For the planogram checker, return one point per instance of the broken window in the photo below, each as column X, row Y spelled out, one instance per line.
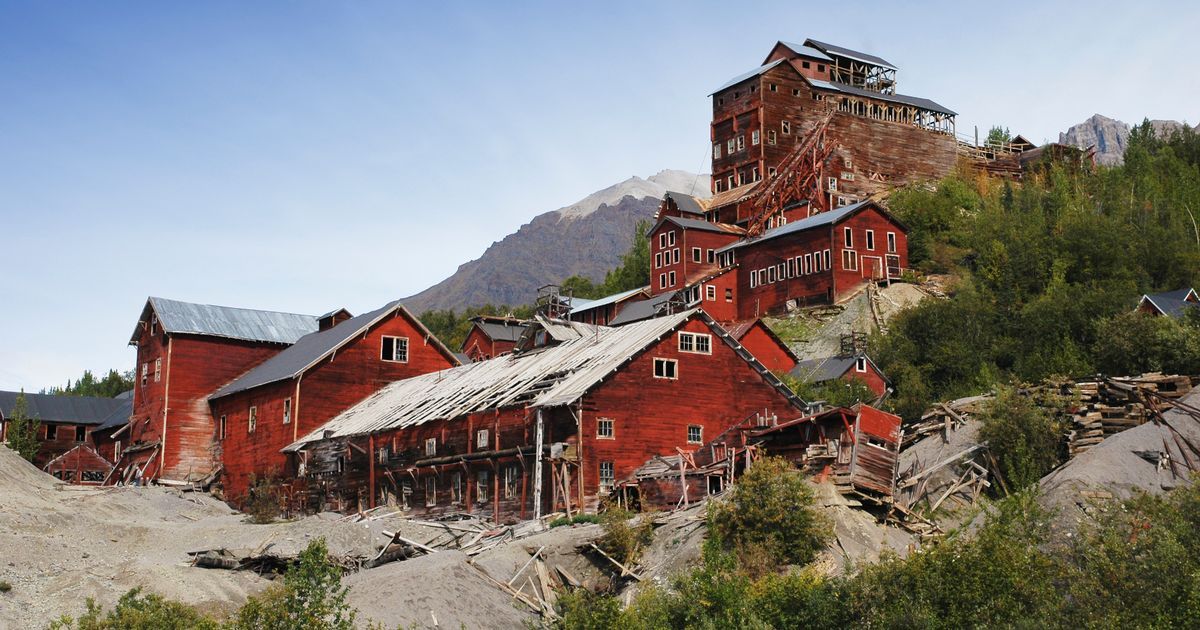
column 607, row 477
column 771, row 139
column 481, row 438
column 786, row 127
column 511, row 474
column 481, row 486
column 80, row 434
column 287, row 410
column 456, row 487
column 252, row 422
column 430, row 447
column 394, row 349
column 665, row 368
column 93, row 476
column 430, row 491
column 157, row 370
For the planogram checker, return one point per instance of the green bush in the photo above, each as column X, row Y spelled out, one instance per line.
column 263, row 499
column 624, row 539
column 135, row 611
column 23, row 429
column 310, row 597
column 1023, row 437
column 769, row 513
column 578, row 518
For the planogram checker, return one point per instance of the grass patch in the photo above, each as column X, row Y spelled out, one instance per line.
column 791, row 329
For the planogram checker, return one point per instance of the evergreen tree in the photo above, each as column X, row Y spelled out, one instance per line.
column 22, row 430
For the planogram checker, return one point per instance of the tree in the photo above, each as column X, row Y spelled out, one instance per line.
column 110, row 386
column 22, row 429
column 311, row 596
column 1022, row 435
column 998, row 135
column 634, row 270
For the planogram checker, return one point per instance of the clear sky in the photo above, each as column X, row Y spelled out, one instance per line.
column 301, row 156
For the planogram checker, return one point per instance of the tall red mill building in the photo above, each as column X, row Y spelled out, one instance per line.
column 310, row 382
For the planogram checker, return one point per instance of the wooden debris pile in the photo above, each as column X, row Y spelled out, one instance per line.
column 1103, row 407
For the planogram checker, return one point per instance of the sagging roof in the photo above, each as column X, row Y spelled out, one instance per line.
column 839, row 51
column 696, row 224
column 314, row 347
column 817, row 220
column 1173, row 303
column 687, row 203
column 609, row 299
column 828, row 368
column 226, row 321
column 501, row 328
column 645, row 309
column 552, row 376
column 915, row 101
column 85, row 410
column 733, row 195
column 748, row 75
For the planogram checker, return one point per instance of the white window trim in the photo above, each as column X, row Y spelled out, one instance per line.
column 710, row 293
column 665, row 361
column 697, row 254
column 482, row 491
column 252, row 419
column 287, row 410
column 870, row 240
column 671, row 277
column 700, row 431
column 847, row 237
column 693, row 338
column 430, row 447
column 481, row 438
column 222, row 430
column 860, row 365
column 430, row 491
column 891, row 242
column 158, row 369
column 385, row 340
column 612, row 429
column 607, row 481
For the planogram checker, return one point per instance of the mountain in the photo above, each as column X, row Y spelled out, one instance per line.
column 586, row 238
column 1109, row 136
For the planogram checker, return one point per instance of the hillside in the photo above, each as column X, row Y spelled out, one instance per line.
column 1109, row 136
column 585, row 238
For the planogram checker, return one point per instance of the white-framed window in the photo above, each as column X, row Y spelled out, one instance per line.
column 808, row 265
column 287, row 410
column 891, row 242
column 716, row 150
column 697, row 253
column 728, row 295
column 730, row 145
column 697, row 343
column 847, row 237
column 785, row 127
column 482, row 479
column 816, row 265
column 849, row 260
column 117, row 449
column 666, row 368
column 754, row 136
column 430, row 446
column 481, row 438
column 605, row 429
column 430, row 491
column 394, row 349
column 771, row 140
column 762, row 277
column 658, row 260
column 753, row 279
column 848, row 176
column 791, row 268
column 741, row 143
column 662, row 240
column 860, row 365
column 456, row 487
column 730, row 181
column 157, row 370
column 870, row 240
column 695, row 434
column 710, row 293
column 832, row 183
column 222, row 429
column 510, row 481
column 252, row 422
column 774, row 88
column 671, row 277
column 671, row 240
column 145, row 372
column 607, row 478
column 754, row 174
column 826, row 264
column 662, row 280
column 771, row 274
column 675, row 255
column 711, row 257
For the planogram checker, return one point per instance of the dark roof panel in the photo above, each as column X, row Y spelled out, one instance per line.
column 233, row 323
column 839, row 51
column 915, row 101
column 87, row 410
column 685, row 202
column 748, row 75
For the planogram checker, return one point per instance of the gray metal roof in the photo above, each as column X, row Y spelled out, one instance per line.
column 748, row 75
column 839, row 51
column 1172, row 303
column 915, row 101
column 696, row 224
column 685, row 202
column 87, row 410
column 609, row 299
column 227, row 321
column 816, row 220
column 120, row 415
column 502, row 331
column 314, row 347
column 828, row 368
column 807, row 51
column 644, row 309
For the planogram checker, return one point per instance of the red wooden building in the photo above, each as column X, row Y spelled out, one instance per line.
column 764, row 344
column 491, row 336
column 551, row 426
column 1170, row 303
column 185, row 352
column 602, row 311
column 82, row 465
column 848, row 367
column 65, row 421
column 305, row 385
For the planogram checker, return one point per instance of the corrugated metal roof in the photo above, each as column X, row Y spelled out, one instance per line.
column 314, row 347
column 562, row 373
column 88, row 410
column 687, row 203
column 808, row 51
column 816, row 220
column 119, row 416
column 839, row 51
column 604, row 301
column 822, row 370
column 733, row 195
column 915, row 101
column 644, row 309
column 229, row 322
column 748, row 75
column 509, row 330
column 1172, row 303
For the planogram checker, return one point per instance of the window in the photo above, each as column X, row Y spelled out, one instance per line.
column 607, row 478
column 665, row 368
column 662, row 240
column 891, row 242
column 825, row 264
column 481, row 486
column 604, row 428
column 711, row 257
column 870, row 240
column 671, row 242
column 671, row 276
column 80, row 434
column 117, row 449
column 662, row 280
column 481, row 438
column 456, row 488
column 157, row 370
column 658, row 260
column 94, row 476
column 510, row 482
column 754, row 135
column 774, row 88
column 153, row 323
column 807, row 65
column 849, row 260
column 762, row 277
column 753, row 279
column 754, row 174
column 848, row 176
column 222, row 429
column 287, row 410
column 741, row 143
column 145, row 372
column 696, row 254
column 795, row 92
column 791, row 268
column 710, row 293
column 808, row 264
column 697, row 343
column 771, row 138
column 395, row 349
column 771, row 274
column 832, row 183
column 716, row 150
column 695, row 434
column 430, row 491
column 252, row 423
column 730, row 179
column 860, row 364
column 847, row 237
column 430, row 447
column 728, row 295
column 820, row 67
column 730, row 145
column 674, row 253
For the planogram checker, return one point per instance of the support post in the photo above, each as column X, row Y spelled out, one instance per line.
column 537, row 467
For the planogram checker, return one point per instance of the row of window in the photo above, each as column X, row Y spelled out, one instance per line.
column 52, row 432
column 146, row 371
column 791, row 268
column 666, row 280
column 666, row 239
column 848, row 239
column 668, row 257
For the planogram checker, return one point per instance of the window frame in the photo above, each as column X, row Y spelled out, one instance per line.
column 252, row 419
column 710, row 293
column 430, row 491
column 456, row 488
column 699, row 434
column 395, row 343
column 860, row 365
column 697, row 254
column 849, row 260
column 287, row 410
column 691, row 342
column 222, row 427
column 891, row 242
column 481, row 438
column 606, row 472
column 158, row 370
column 482, row 482
column 870, row 240
column 610, row 434
column 511, row 475
column 663, row 361
column 79, row 428
column 847, row 237
column 671, row 277
column 430, row 447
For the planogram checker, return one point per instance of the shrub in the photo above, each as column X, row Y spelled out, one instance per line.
column 623, row 539
column 5, row 586
column 262, row 500
column 135, row 611
column 770, row 507
column 310, row 597
column 1024, row 438
column 578, row 518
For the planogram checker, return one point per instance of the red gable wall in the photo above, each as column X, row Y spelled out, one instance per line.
column 767, row 348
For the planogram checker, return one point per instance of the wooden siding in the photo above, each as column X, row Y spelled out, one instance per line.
column 767, row 349
column 80, row 465
column 687, row 270
column 723, row 307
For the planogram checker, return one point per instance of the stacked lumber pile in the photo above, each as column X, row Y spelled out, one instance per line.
column 1103, row 407
column 942, row 418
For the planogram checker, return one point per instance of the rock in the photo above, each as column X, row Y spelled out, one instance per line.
column 1109, row 136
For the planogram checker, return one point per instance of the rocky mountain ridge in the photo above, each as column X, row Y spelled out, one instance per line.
column 1109, row 135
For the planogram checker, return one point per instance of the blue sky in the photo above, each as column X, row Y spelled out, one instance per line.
column 301, row 156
